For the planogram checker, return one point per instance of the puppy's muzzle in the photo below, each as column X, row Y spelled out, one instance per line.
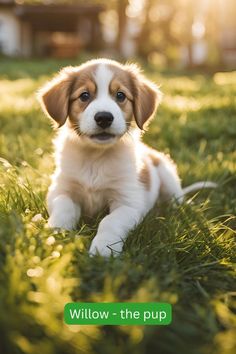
column 104, row 119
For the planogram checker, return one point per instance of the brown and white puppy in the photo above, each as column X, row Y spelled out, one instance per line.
column 101, row 107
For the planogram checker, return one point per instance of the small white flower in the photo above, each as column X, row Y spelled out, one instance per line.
column 50, row 240
column 37, row 218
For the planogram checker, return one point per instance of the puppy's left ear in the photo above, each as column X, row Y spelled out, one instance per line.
column 147, row 97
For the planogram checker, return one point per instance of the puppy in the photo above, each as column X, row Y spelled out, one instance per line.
column 101, row 108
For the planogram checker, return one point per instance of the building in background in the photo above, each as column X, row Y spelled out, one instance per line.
column 55, row 30
column 173, row 33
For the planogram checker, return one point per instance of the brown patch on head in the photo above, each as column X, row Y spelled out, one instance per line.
column 144, row 176
column 154, row 157
column 121, row 83
column 59, row 98
column 84, row 82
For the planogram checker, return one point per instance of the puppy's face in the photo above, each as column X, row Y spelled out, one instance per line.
column 101, row 99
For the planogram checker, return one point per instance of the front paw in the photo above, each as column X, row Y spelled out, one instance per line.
column 60, row 222
column 105, row 246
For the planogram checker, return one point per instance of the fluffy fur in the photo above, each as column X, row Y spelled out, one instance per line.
column 99, row 167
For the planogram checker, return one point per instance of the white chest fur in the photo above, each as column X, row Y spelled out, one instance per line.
column 93, row 178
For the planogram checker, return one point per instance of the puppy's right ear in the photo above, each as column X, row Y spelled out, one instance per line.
column 54, row 96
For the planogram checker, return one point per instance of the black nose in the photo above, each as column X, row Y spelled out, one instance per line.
column 103, row 119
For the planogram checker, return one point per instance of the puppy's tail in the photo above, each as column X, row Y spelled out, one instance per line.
column 199, row 185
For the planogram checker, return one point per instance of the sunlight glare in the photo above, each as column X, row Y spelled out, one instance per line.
column 135, row 8
column 198, row 29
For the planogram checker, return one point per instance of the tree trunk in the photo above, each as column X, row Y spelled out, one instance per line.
column 143, row 38
column 121, row 8
column 190, row 55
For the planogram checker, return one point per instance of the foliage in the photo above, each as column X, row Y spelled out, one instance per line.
column 167, row 29
column 183, row 255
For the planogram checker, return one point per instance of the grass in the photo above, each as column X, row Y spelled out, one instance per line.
column 182, row 255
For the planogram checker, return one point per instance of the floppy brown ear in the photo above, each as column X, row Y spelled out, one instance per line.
column 147, row 96
column 146, row 102
column 54, row 97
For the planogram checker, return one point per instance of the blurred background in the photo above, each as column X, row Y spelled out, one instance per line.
column 176, row 33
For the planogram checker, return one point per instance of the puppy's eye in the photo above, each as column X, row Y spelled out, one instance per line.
column 84, row 97
column 120, row 96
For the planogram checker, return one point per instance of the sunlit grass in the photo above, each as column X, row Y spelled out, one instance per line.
column 183, row 255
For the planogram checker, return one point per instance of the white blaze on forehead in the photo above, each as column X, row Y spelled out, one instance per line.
column 103, row 77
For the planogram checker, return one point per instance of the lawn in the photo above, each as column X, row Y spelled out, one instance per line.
column 182, row 255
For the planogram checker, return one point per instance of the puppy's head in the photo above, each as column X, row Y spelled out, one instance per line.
column 101, row 100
